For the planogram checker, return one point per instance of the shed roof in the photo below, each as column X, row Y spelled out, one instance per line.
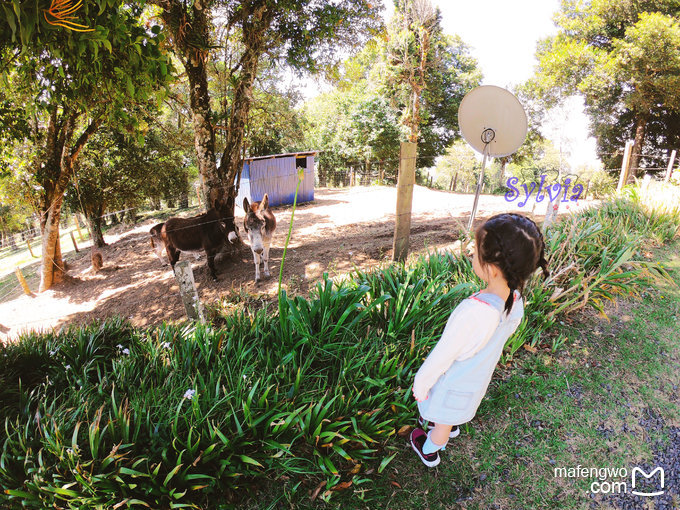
column 287, row 154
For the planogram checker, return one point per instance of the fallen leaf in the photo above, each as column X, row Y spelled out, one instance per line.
column 530, row 348
column 342, row 486
column 396, row 484
column 317, row 490
column 404, row 431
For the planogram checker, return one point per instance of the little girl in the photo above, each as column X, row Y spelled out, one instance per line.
column 455, row 376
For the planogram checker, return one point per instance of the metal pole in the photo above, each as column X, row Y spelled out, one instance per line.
column 479, row 187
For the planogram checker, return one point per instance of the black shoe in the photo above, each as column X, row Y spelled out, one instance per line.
column 418, row 438
column 454, row 431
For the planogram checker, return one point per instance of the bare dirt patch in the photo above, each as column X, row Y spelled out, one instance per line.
column 341, row 230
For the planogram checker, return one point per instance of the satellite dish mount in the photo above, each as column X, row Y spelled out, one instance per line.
column 493, row 122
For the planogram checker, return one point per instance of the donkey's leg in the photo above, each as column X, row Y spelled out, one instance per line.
column 256, row 257
column 265, row 256
column 211, row 263
column 173, row 255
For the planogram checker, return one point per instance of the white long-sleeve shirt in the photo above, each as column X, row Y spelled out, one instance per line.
column 467, row 331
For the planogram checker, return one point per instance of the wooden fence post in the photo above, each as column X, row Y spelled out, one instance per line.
column 74, row 241
column 76, row 218
column 187, row 289
column 669, row 171
column 22, row 281
column 625, row 164
column 405, row 182
column 30, row 250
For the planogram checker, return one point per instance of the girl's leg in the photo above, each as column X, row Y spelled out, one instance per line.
column 440, row 433
column 437, row 438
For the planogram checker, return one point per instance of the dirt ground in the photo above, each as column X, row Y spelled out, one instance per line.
column 340, row 230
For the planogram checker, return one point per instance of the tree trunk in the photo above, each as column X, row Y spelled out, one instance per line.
column 94, row 222
column 57, row 174
column 255, row 25
column 204, row 133
column 184, row 200
column 634, row 170
column 52, row 266
column 190, row 24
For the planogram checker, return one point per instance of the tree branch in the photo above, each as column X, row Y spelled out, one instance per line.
column 85, row 136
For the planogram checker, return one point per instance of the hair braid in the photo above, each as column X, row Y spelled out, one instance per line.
column 505, row 262
column 515, row 244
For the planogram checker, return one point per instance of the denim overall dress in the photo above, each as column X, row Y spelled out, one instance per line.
column 455, row 397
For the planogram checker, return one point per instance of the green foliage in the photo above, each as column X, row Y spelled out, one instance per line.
column 460, row 164
column 624, row 58
column 597, row 254
column 362, row 119
column 602, row 184
column 115, row 172
column 352, row 127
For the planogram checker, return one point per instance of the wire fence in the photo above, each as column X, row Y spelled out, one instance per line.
column 359, row 177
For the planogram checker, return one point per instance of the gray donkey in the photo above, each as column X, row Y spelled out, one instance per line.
column 259, row 223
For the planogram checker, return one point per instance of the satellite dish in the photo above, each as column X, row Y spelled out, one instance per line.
column 493, row 118
column 493, row 122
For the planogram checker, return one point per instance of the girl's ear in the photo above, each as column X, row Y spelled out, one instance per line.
column 493, row 271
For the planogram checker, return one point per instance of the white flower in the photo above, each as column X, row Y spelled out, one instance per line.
column 119, row 346
column 351, row 253
column 189, row 394
column 165, row 345
column 52, row 353
column 67, row 367
column 126, row 351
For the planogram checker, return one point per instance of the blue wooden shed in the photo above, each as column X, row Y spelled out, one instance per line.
column 276, row 175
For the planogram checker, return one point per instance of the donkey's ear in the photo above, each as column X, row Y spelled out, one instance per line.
column 265, row 202
column 246, row 205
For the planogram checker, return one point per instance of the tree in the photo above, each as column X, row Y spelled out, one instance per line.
column 457, row 167
column 115, row 172
column 305, row 34
column 624, row 58
column 361, row 120
column 426, row 74
column 353, row 127
column 409, row 57
column 67, row 80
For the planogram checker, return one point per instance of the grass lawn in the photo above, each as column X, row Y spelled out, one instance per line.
column 609, row 399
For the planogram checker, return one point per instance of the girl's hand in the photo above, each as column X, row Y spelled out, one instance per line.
column 419, row 399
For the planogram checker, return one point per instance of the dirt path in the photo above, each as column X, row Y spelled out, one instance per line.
column 340, row 230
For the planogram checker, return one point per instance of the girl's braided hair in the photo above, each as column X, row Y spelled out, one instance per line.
column 515, row 244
